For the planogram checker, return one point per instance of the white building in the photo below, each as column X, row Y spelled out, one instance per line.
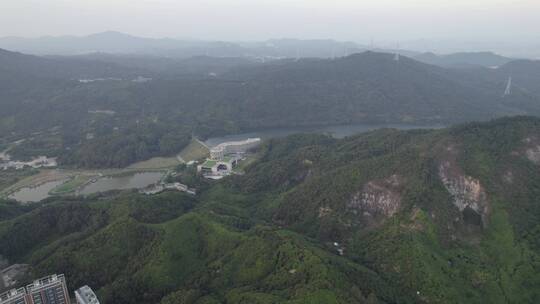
column 224, row 157
column 85, row 295
column 220, row 167
column 220, row 151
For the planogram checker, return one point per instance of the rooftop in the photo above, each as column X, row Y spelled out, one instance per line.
column 45, row 282
column 11, row 294
column 86, row 295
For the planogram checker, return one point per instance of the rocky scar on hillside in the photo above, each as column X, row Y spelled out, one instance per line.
column 468, row 195
column 532, row 149
column 378, row 199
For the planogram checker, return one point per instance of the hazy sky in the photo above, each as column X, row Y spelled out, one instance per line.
column 358, row 20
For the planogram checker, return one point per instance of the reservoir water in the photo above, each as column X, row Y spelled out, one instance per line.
column 35, row 194
column 337, row 131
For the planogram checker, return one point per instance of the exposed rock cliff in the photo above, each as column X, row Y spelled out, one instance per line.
column 466, row 191
column 530, row 149
column 378, row 198
column 533, row 154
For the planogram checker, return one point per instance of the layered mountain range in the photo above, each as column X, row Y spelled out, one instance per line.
column 209, row 96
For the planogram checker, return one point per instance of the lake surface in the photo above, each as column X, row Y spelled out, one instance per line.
column 123, row 182
column 339, row 131
column 35, row 194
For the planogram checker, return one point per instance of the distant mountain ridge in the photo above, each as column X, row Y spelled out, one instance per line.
column 120, row 43
column 60, row 67
column 114, row 42
column 110, row 41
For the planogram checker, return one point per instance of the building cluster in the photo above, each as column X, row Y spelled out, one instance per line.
column 224, row 157
column 141, row 79
column 48, row 290
column 138, row 79
column 99, row 79
column 39, row 162
column 156, row 189
column 220, row 151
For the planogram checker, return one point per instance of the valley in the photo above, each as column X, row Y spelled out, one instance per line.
column 118, row 123
column 66, row 181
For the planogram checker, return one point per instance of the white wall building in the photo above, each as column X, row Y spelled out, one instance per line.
column 85, row 295
column 220, row 151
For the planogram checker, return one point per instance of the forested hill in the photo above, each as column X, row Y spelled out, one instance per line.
column 452, row 214
column 370, row 87
column 424, row 216
column 524, row 72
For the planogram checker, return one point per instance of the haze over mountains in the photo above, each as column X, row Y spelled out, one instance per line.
column 115, row 42
column 120, row 43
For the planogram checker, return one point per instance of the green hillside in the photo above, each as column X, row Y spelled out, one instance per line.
column 430, row 216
